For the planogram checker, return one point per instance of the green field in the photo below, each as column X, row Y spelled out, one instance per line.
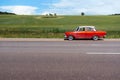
column 23, row 26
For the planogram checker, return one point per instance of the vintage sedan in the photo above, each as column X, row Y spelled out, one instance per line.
column 85, row 32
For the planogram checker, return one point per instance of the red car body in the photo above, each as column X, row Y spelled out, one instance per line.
column 85, row 32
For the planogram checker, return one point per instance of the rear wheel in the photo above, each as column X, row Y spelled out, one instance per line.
column 95, row 38
column 70, row 38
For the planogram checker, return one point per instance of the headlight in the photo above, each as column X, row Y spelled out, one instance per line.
column 65, row 35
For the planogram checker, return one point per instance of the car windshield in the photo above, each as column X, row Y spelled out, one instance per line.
column 76, row 29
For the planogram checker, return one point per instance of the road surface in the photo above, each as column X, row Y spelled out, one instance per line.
column 60, row 60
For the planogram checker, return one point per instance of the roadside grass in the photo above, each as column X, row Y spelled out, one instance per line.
column 22, row 26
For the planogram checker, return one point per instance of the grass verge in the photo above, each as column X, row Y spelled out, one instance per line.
column 22, row 26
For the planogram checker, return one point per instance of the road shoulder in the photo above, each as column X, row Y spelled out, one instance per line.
column 43, row 39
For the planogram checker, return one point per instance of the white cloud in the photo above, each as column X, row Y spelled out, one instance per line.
column 21, row 10
column 68, row 7
column 87, row 6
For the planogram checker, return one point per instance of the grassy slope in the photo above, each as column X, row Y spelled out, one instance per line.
column 36, row 26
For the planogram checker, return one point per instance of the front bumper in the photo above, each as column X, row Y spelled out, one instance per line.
column 65, row 37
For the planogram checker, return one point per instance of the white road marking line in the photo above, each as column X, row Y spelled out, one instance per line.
column 101, row 53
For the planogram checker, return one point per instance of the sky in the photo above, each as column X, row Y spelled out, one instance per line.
column 61, row 7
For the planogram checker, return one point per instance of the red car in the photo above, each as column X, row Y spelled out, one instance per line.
column 85, row 32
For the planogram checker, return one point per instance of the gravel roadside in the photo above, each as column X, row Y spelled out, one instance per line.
column 43, row 39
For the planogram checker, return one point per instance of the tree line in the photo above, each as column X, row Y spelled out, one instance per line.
column 116, row 14
column 6, row 13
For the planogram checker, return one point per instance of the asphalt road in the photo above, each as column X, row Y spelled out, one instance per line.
column 60, row 60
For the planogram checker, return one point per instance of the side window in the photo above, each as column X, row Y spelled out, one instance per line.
column 90, row 29
column 82, row 29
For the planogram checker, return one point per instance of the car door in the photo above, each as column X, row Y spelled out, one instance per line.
column 89, row 32
column 80, row 33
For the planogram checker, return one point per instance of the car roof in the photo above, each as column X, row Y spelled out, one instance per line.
column 87, row 26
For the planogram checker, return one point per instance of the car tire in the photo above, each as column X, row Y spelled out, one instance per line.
column 95, row 38
column 70, row 38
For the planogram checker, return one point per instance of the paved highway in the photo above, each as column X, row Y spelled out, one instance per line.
column 60, row 60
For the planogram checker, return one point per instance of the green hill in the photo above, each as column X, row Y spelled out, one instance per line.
column 54, row 27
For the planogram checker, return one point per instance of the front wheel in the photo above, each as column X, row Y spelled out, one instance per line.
column 70, row 38
column 95, row 38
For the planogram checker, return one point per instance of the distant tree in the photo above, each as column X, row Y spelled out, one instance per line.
column 55, row 15
column 50, row 14
column 82, row 13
